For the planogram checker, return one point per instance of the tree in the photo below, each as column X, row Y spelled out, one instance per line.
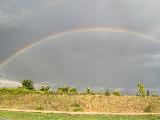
column 45, row 87
column 141, row 88
column 28, row 84
column 89, row 91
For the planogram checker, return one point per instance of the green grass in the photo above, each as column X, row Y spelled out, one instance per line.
column 43, row 116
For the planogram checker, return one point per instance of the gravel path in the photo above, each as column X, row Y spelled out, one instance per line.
column 74, row 113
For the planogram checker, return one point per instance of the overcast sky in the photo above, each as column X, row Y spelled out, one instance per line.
column 98, row 59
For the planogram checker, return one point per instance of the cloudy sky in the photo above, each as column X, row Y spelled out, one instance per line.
column 97, row 59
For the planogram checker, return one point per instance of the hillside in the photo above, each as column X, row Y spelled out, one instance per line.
column 91, row 103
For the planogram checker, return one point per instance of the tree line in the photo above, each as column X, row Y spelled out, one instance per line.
column 29, row 84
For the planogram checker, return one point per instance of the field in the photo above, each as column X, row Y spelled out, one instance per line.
column 43, row 116
column 27, row 100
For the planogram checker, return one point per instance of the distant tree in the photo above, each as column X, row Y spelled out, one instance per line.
column 63, row 90
column 89, row 91
column 73, row 90
column 142, row 91
column 45, row 87
column 28, row 84
column 116, row 93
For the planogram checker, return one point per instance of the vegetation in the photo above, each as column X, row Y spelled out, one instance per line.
column 63, row 90
column 73, row 90
column 142, row 91
column 107, row 93
column 69, row 99
column 67, row 90
column 116, row 93
column 45, row 87
column 17, row 91
column 89, row 91
column 35, row 100
column 28, row 84
column 43, row 116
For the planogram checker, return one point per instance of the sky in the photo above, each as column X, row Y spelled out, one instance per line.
column 87, row 58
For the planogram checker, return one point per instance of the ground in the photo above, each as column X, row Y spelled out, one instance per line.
column 5, row 115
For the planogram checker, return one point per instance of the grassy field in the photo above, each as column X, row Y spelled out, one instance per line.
column 43, row 116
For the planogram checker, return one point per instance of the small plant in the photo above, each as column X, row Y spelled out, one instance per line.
column 142, row 91
column 116, row 93
column 77, row 109
column 28, row 84
column 148, row 109
column 107, row 93
column 39, row 107
column 73, row 91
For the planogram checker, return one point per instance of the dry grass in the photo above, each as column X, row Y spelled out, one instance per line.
column 94, row 103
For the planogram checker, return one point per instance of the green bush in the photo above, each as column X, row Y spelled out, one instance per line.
column 16, row 91
column 63, row 90
column 73, row 91
column 39, row 107
column 116, row 93
column 28, row 84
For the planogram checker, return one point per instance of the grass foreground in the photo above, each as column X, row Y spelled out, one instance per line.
column 5, row 115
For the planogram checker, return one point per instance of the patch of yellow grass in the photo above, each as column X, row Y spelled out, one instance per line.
column 90, row 103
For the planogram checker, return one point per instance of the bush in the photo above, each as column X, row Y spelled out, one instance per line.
column 148, row 109
column 16, row 91
column 28, row 84
column 116, row 93
column 39, row 107
column 73, row 91
column 107, row 93
column 63, row 90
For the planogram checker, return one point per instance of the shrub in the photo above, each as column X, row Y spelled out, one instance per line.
column 63, row 90
column 28, row 84
column 16, row 91
column 39, row 107
column 73, row 91
column 148, row 109
column 107, row 93
column 116, row 93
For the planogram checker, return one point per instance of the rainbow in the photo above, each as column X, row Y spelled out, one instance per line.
column 75, row 31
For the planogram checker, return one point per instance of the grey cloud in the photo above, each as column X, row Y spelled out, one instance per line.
column 91, row 58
